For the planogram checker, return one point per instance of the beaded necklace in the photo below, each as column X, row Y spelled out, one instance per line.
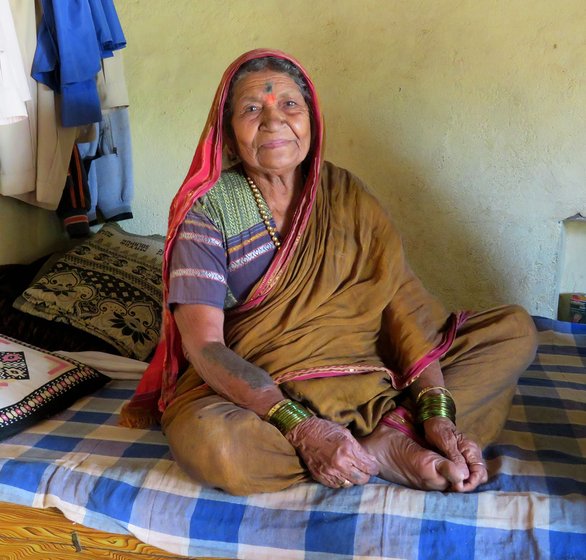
column 263, row 213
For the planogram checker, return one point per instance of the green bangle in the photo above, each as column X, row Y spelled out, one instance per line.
column 287, row 414
column 431, row 406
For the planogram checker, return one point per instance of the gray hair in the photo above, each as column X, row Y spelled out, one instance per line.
column 258, row 65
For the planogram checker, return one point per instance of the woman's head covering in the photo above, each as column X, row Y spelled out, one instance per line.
column 206, row 164
column 204, row 172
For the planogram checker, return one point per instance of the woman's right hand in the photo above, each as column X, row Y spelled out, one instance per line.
column 331, row 453
column 463, row 452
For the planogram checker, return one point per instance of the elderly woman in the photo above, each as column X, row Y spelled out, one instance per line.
column 298, row 344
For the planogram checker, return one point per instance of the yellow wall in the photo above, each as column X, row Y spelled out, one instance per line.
column 465, row 117
column 27, row 233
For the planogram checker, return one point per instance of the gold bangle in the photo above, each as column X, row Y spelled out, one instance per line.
column 426, row 389
column 274, row 409
column 436, row 405
column 287, row 414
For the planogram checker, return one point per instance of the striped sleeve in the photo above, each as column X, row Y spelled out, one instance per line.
column 198, row 271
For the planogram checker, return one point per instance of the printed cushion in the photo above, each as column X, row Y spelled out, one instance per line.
column 49, row 335
column 108, row 286
column 35, row 384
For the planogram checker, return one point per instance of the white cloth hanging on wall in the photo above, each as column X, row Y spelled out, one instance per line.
column 14, row 88
column 18, row 140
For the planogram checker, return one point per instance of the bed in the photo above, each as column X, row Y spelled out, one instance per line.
column 79, row 482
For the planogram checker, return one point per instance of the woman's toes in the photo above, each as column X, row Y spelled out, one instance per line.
column 405, row 462
column 454, row 474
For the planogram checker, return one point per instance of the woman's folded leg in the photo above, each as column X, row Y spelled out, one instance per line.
column 221, row 445
column 491, row 351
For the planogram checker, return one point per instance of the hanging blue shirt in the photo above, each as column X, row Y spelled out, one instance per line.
column 108, row 28
column 73, row 38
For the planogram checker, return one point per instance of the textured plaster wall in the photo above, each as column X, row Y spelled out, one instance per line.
column 465, row 117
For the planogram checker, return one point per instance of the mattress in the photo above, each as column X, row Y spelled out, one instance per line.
column 121, row 480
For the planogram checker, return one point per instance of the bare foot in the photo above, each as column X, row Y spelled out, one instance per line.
column 405, row 462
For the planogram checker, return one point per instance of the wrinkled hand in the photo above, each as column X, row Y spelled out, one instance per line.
column 442, row 434
column 331, row 453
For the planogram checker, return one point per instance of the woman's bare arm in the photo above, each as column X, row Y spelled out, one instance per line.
column 431, row 376
column 243, row 383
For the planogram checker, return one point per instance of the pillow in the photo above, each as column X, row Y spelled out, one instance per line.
column 49, row 335
column 35, row 384
column 108, row 286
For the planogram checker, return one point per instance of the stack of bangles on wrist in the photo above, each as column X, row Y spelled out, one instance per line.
column 287, row 414
column 429, row 406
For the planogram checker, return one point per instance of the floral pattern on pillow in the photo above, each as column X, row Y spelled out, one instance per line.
column 109, row 286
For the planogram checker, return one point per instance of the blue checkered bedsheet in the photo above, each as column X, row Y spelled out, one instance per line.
column 122, row 480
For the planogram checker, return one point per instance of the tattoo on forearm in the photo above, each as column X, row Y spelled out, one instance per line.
column 219, row 355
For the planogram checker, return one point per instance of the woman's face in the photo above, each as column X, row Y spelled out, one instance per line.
column 270, row 123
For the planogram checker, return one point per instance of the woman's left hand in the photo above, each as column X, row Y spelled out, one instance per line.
column 441, row 433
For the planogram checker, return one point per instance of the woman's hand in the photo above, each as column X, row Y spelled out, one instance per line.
column 442, row 434
column 331, row 453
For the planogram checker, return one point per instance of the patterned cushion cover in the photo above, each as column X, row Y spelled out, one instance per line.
column 108, row 286
column 46, row 334
column 35, row 384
